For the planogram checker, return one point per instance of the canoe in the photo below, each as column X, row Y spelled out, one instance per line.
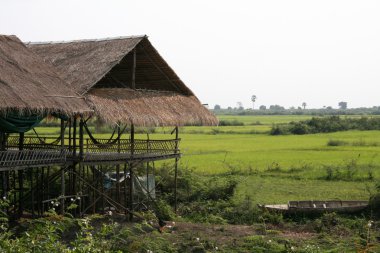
column 318, row 206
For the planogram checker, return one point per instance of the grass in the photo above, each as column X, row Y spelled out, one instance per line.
column 216, row 153
column 269, row 170
column 279, row 190
column 278, row 168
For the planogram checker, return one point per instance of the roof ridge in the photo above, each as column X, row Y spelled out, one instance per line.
column 85, row 40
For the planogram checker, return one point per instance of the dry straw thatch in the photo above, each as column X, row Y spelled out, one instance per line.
column 102, row 71
column 149, row 108
column 29, row 85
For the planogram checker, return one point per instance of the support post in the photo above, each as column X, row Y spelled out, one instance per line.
column 32, row 191
column 21, row 178
column 69, row 122
column 176, row 170
column 73, row 181
column 2, row 141
column 131, row 172
column 134, row 70
column 81, row 156
column 118, row 168
column 125, row 187
column 63, row 169
column 74, row 137
column 81, row 142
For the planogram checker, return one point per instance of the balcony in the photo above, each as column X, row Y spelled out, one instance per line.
column 41, row 151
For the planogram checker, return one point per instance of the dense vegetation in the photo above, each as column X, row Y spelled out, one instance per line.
column 202, row 199
column 326, row 125
column 279, row 110
column 225, row 172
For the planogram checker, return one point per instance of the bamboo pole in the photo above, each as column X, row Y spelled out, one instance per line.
column 176, row 170
column 62, row 169
column 131, row 172
column 118, row 168
column 81, row 157
column 21, row 178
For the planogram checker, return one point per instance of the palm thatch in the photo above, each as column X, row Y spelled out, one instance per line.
column 29, row 85
column 149, row 108
column 94, row 67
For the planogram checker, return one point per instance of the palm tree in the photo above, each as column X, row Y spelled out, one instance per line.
column 304, row 105
column 253, row 99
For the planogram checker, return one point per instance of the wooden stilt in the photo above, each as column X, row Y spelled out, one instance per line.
column 62, row 169
column 176, row 170
column 93, row 190
column 125, row 187
column 32, row 191
column 2, row 141
column 118, row 168
column 102, row 187
column 43, row 183
column 81, row 157
column 131, row 172
column 21, row 179
column 73, row 183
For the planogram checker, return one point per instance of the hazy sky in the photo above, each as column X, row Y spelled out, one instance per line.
column 285, row 52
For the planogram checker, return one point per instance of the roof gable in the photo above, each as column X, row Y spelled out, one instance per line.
column 105, row 63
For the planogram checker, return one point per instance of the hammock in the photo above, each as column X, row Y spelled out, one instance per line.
column 55, row 142
column 108, row 142
column 15, row 123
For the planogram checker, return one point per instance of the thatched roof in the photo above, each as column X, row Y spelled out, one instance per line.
column 149, row 108
column 29, row 85
column 95, row 67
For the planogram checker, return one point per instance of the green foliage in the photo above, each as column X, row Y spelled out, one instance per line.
column 230, row 123
column 335, row 143
column 327, row 125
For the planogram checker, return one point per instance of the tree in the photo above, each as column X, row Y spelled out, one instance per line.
column 343, row 105
column 276, row 108
column 304, row 105
column 217, row 107
column 240, row 106
column 262, row 107
column 253, row 99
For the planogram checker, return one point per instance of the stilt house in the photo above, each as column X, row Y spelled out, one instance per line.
column 127, row 84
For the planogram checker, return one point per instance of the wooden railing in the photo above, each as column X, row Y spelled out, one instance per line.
column 102, row 149
column 30, row 158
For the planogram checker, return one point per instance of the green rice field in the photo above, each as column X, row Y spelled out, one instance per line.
column 276, row 169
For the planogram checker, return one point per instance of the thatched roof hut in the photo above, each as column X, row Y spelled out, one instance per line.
column 29, row 85
column 125, row 80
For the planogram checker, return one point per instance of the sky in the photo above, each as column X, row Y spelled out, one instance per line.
column 285, row 52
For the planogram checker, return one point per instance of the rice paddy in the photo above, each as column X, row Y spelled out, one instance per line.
column 279, row 168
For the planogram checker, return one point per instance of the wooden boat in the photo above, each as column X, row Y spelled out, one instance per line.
column 318, row 206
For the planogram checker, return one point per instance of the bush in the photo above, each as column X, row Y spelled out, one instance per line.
column 230, row 123
column 335, row 143
column 327, row 125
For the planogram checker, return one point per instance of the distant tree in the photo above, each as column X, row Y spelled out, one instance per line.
column 342, row 105
column 240, row 106
column 299, row 108
column 329, row 107
column 276, row 107
column 253, row 99
column 292, row 108
column 304, row 105
column 262, row 107
column 229, row 108
column 217, row 107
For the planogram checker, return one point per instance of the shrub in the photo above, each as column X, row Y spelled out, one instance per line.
column 327, row 125
column 335, row 143
column 230, row 123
